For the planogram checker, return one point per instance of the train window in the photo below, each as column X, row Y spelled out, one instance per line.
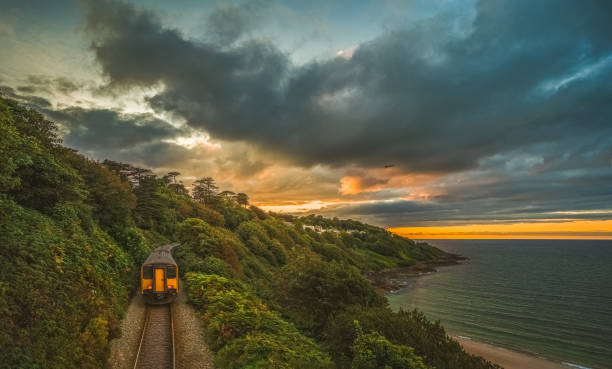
column 147, row 272
column 171, row 272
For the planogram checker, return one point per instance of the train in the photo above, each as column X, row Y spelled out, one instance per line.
column 159, row 282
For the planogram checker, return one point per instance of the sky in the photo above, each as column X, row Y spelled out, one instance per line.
column 433, row 118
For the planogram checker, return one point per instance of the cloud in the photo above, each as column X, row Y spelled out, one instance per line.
column 354, row 185
column 422, row 97
column 492, row 194
column 52, row 86
column 56, row 84
column 106, row 129
column 28, row 100
column 240, row 164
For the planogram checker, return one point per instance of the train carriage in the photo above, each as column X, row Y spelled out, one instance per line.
column 159, row 276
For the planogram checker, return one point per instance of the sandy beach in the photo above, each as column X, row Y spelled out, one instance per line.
column 507, row 358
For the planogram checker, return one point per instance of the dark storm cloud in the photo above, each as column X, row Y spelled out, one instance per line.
column 106, row 129
column 240, row 164
column 153, row 155
column 422, row 97
column 139, row 139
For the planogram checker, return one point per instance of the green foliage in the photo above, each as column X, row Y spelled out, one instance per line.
column 254, row 235
column 211, row 216
column 64, row 286
column 30, row 123
column 64, row 282
column 13, row 148
column 110, row 198
column 428, row 339
column 211, row 265
column 242, row 199
column 30, row 172
column 233, row 214
column 374, row 351
column 201, row 240
column 133, row 242
column 332, row 286
column 204, row 190
column 244, row 332
column 321, row 290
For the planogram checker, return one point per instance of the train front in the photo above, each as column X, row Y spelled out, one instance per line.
column 159, row 277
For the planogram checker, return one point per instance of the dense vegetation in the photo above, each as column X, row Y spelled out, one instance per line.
column 276, row 291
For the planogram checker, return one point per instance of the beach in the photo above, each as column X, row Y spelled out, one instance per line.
column 507, row 358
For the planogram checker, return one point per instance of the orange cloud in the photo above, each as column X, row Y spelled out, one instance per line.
column 355, row 185
column 379, row 179
column 579, row 229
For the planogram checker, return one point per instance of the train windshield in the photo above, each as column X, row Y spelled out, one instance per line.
column 147, row 272
column 171, row 272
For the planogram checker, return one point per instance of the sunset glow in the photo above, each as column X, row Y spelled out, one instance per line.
column 580, row 229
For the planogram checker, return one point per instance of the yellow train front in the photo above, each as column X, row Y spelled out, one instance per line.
column 159, row 276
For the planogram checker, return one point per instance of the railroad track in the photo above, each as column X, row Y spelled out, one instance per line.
column 156, row 348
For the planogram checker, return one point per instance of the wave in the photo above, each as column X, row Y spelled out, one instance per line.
column 575, row 365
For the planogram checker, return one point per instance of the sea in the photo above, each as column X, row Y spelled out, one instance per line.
column 550, row 298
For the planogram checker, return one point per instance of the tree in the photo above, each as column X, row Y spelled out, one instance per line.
column 32, row 124
column 178, row 188
column 242, row 199
column 138, row 174
column 204, row 189
column 173, row 175
column 226, row 194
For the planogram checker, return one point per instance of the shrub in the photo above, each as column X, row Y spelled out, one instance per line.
column 245, row 332
column 314, row 290
column 373, row 351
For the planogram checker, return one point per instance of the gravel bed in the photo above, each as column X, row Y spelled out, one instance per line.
column 191, row 349
column 123, row 349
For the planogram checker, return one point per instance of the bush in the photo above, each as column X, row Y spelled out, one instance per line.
column 244, row 332
column 212, row 265
column 63, row 289
column 412, row 329
column 373, row 351
column 313, row 290
column 267, row 351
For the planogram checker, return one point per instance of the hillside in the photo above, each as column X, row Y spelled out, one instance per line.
column 276, row 291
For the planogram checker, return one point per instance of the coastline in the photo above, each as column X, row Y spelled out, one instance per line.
column 393, row 279
column 509, row 359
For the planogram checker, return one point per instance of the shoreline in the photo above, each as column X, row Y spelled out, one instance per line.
column 393, row 279
column 389, row 281
column 510, row 359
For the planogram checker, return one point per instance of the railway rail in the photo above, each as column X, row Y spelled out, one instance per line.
column 156, row 347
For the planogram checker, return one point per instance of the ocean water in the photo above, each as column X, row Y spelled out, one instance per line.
column 551, row 298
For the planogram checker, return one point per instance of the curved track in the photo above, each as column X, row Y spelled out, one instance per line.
column 156, row 348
